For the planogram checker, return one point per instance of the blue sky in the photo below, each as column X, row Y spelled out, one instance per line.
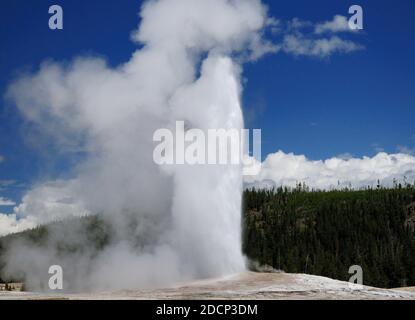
column 357, row 103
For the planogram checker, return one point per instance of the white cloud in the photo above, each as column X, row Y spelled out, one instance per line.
column 338, row 24
column 1, row 158
column 51, row 201
column 6, row 202
column 289, row 169
column 9, row 223
column 304, row 38
column 299, row 45
column 44, row 203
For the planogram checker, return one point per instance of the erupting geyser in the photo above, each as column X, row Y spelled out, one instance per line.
column 168, row 223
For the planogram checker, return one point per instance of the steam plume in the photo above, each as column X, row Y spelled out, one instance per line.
column 167, row 224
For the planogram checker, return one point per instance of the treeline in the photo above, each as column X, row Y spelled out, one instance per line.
column 295, row 230
column 326, row 232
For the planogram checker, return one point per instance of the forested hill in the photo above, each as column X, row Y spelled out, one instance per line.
column 86, row 235
column 302, row 231
column 326, row 232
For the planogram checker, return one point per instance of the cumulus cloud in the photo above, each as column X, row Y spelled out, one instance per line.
column 51, row 201
column 42, row 204
column 9, row 223
column 288, row 169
